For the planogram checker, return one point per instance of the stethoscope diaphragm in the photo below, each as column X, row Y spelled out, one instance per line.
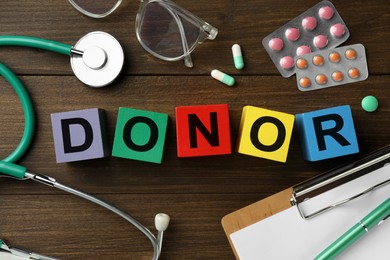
column 97, row 59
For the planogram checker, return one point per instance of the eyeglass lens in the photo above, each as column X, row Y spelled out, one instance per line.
column 97, row 7
column 166, row 32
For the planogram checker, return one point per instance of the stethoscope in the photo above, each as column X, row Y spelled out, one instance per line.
column 96, row 59
column 95, row 53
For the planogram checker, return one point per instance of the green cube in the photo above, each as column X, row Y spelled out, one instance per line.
column 140, row 135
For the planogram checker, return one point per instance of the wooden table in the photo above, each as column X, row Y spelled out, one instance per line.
column 195, row 192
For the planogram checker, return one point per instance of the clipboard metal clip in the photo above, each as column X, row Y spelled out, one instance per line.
column 339, row 176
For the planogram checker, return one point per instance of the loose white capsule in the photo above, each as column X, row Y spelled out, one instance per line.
column 237, row 57
column 223, row 77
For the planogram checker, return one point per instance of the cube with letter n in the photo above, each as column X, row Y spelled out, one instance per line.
column 79, row 135
column 140, row 135
column 327, row 133
column 203, row 130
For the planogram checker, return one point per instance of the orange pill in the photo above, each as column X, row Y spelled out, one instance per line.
column 353, row 73
column 350, row 54
column 334, row 57
column 304, row 82
column 321, row 79
column 337, row 76
column 318, row 60
column 301, row 64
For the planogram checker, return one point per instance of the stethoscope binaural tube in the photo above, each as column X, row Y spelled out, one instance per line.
column 9, row 168
column 33, row 42
column 96, row 59
column 161, row 219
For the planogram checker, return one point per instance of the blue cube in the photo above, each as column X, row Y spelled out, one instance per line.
column 327, row 133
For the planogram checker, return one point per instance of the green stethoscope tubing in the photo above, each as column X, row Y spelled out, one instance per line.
column 7, row 165
column 28, row 41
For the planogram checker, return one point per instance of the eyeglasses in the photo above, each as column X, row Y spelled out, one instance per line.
column 164, row 29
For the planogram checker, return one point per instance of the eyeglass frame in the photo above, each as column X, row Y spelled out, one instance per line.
column 207, row 31
column 84, row 12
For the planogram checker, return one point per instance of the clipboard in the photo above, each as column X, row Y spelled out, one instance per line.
column 294, row 196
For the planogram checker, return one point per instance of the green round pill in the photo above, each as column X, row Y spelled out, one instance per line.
column 370, row 103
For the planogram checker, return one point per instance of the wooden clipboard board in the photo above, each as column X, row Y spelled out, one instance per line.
column 281, row 201
column 255, row 212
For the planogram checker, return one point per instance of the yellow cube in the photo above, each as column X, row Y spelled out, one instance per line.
column 265, row 133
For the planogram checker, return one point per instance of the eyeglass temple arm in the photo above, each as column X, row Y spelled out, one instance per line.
column 188, row 61
column 187, row 58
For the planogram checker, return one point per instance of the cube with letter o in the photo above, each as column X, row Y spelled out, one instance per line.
column 265, row 133
column 140, row 135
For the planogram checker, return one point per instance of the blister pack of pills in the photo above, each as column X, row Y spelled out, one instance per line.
column 321, row 27
column 331, row 67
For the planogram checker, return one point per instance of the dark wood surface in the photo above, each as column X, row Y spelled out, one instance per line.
column 195, row 192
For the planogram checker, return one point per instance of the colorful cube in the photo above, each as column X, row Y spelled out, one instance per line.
column 327, row 133
column 79, row 135
column 203, row 130
column 265, row 133
column 140, row 135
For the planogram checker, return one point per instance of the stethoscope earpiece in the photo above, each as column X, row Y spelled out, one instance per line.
column 97, row 59
column 161, row 221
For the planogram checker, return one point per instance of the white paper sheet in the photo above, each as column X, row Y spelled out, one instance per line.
column 287, row 235
column 8, row 256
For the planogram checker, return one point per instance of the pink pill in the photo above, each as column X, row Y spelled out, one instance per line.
column 337, row 30
column 292, row 34
column 309, row 23
column 276, row 44
column 320, row 41
column 303, row 50
column 326, row 12
column 287, row 62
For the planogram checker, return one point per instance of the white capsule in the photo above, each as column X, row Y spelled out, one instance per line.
column 223, row 77
column 237, row 57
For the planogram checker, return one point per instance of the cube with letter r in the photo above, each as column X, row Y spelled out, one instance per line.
column 140, row 135
column 79, row 135
column 327, row 133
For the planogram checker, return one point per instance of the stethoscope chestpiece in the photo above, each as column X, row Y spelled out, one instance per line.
column 97, row 59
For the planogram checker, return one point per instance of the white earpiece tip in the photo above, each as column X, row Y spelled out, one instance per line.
column 161, row 221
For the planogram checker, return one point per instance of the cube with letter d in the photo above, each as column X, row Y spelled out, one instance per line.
column 327, row 133
column 140, row 135
column 79, row 135
column 265, row 133
column 203, row 130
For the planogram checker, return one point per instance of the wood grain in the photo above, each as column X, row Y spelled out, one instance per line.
column 195, row 192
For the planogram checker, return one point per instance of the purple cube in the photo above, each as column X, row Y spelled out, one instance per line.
column 79, row 135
